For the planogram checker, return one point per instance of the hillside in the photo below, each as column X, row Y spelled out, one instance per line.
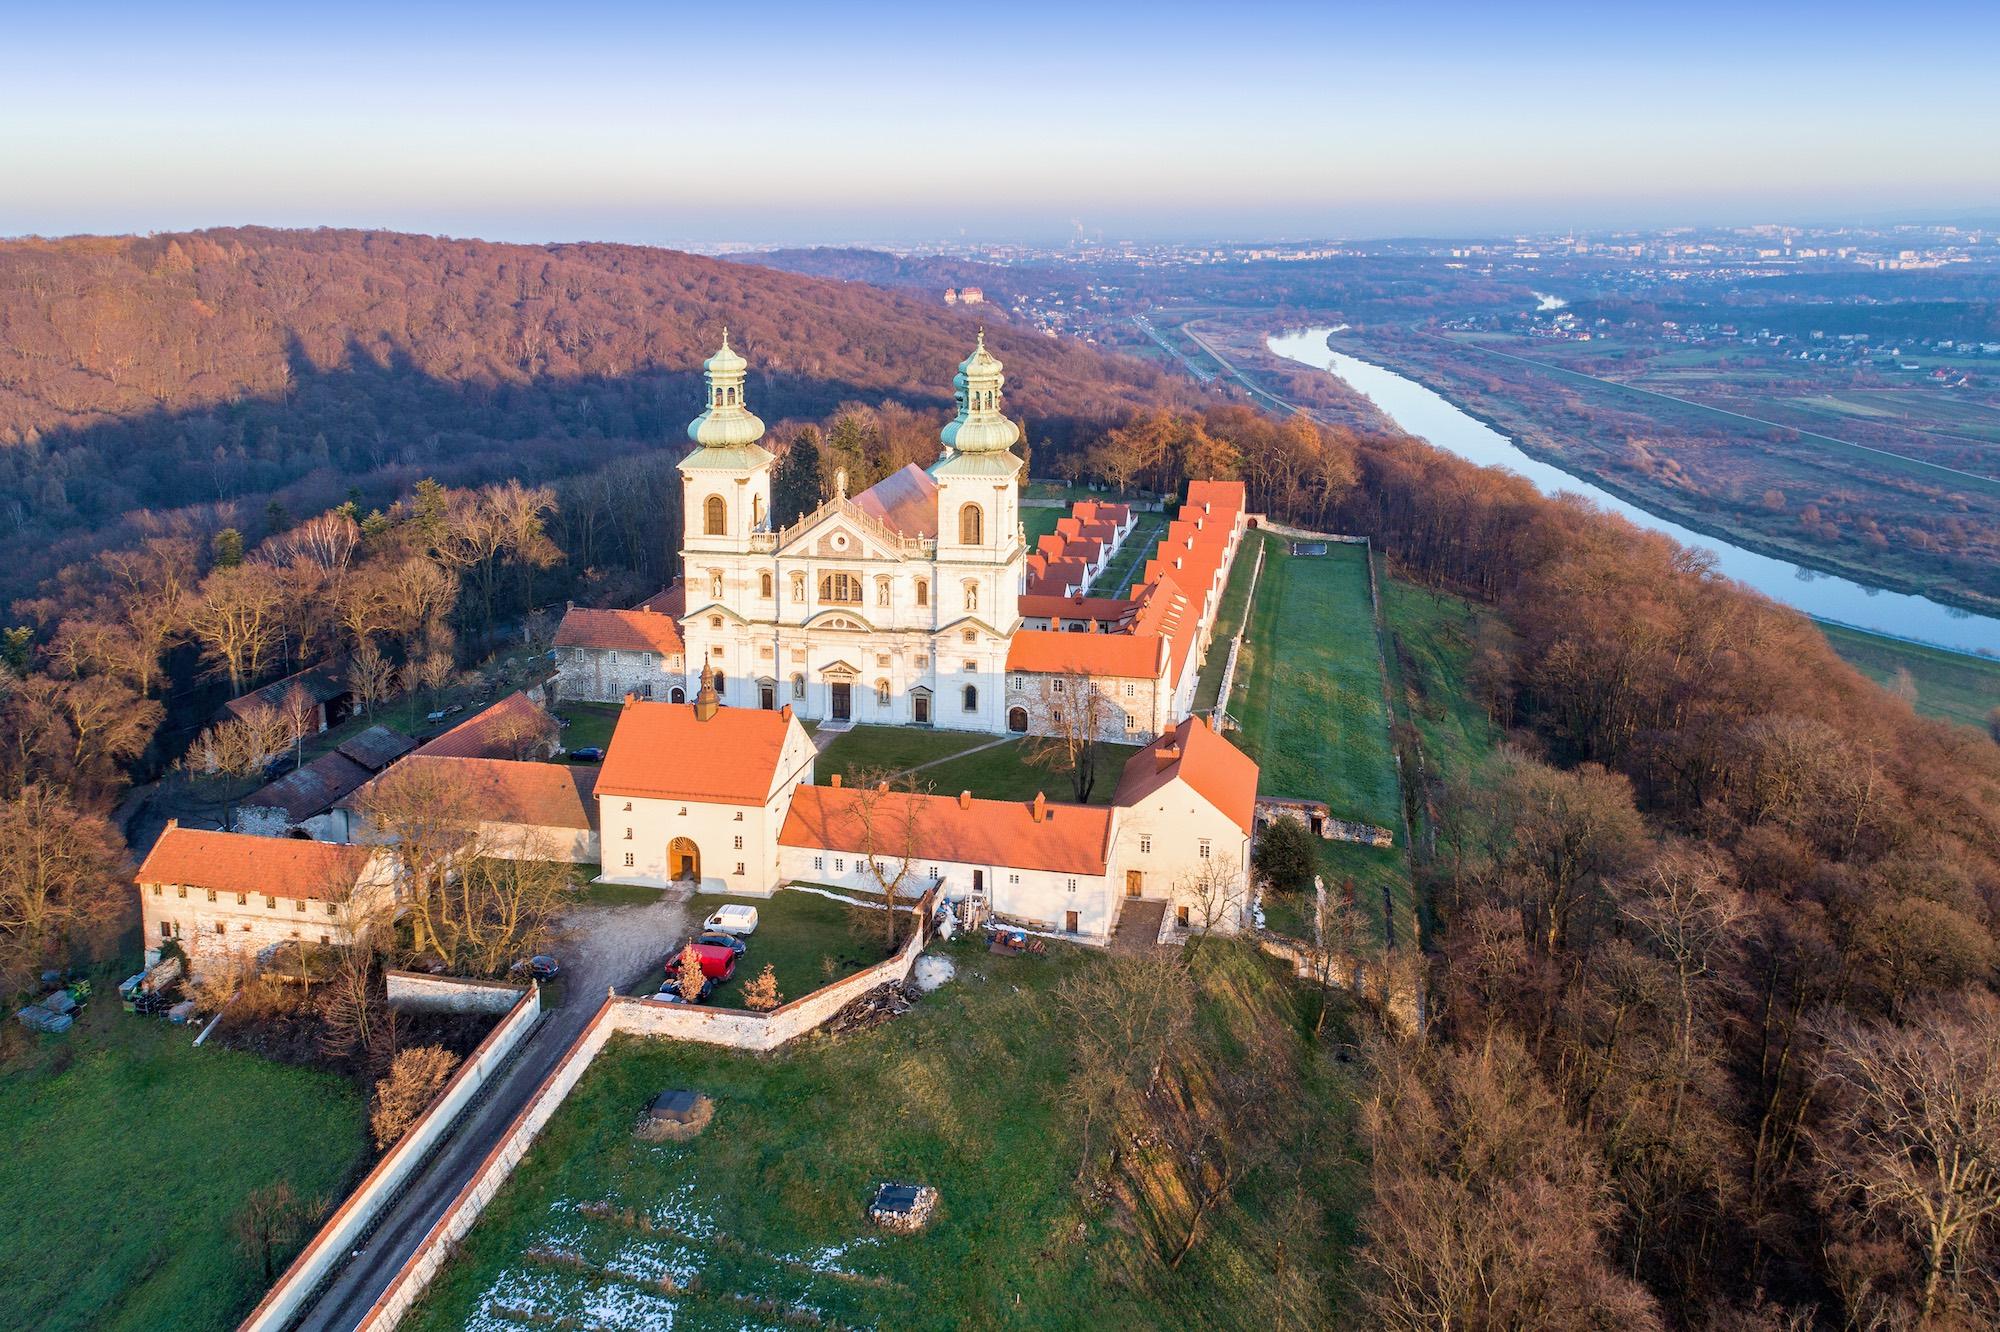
column 232, row 367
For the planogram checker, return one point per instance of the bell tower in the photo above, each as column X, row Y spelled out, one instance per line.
column 979, row 481
column 726, row 481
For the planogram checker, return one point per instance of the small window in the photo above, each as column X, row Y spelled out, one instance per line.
column 221, row 928
column 333, row 908
column 1146, row 846
column 1131, row 690
column 739, row 867
column 1019, row 683
column 1070, row 884
column 628, row 807
column 923, row 591
column 628, row 860
column 715, row 520
column 158, row 889
column 971, row 635
column 1056, row 685
column 628, row 834
column 739, row 842
column 298, row 904
column 739, row 816
column 166, row 929
column 183, row 889
column 1013, row 878
column 934, row 871
column 211, row 894
column 969, row 666
column 242, row 899
column 840, row 864
column 764, row 586
column 1131, row 722
column 1181, row 916
column 972, row 698
column 819, row 862
column 1204, row 848
column 270, row 904
column 715, row 621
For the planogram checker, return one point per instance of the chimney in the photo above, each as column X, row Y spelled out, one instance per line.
column 786, row 712
column 1040, row 810
column 965, row 800
column 173, row 824
column 834, row 781
column 1168, row 755
column 882, row 788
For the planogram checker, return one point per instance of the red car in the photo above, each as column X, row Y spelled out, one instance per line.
column 717, row 962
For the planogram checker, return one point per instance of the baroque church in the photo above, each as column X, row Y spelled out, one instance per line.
column 917, row 601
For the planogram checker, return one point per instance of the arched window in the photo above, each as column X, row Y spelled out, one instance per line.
column 971, row 595
column 923, row 591
column 764, row 586
column 715, row 517
column 971, row 526
column 840, row 589
column 972, row 698
column 882, row 692
column 677, row 695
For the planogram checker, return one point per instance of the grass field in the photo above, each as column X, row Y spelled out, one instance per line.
column 1131, row 558
column 1432, row 638
column 129, row 1152
column 808, row 940
column 1004, row 773
column 1950, row 685
column 1308, row 696
column 891, row 749
column 759, row 1222
column 1037, row 523
column 590, row 724
column 1228, row 617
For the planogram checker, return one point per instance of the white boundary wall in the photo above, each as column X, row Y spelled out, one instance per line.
column 347, row 1225
column 415, row 992
column 736, row 1028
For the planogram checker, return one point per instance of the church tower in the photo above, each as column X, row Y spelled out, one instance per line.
column 726, row 482
column 978, row 479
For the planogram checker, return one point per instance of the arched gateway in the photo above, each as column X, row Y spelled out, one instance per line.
column 683, row 860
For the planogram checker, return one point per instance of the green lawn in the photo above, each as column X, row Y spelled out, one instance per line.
column 1432, row 639
column 809, row 940
column 129, row 1152
column 1130, row 561
column 1308, row 696
column 590, row 724
column 759, row 1222
column 892, row 749
column 1228, row 616
column 1039, row 522
column 1950, row 685
column 1003, row 773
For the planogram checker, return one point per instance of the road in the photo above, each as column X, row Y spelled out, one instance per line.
column 610, row 946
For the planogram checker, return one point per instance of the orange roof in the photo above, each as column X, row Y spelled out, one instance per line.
column 1051, row 652
column 663, row 751
column 622, row 630
column 904, row 501
column 1109, row 610
column 544, row 795
column 1069, row 839
column 1219, row 772
column 240, row 863
column 669, row 600
column 493, row 733
column 1049, row 546
column 1231, row 497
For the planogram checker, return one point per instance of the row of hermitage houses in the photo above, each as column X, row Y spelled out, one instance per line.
column 912, row 603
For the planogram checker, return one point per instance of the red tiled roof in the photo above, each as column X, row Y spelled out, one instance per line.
column 621, row 630
column 904, row 501
column 1049, row 546
column 1230, row 497
column 488, row 734
column 1108, row 610
column 240, row 863
column 543, row 795
column 1069, row 839
column 663, row 751
column 669, row 600
column 1218, row 771
column 1051, row 652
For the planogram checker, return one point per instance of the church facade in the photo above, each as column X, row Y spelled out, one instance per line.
column 895, row 606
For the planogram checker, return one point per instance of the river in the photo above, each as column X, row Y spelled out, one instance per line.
column 1822, row 595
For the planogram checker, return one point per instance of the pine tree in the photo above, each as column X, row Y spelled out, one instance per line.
column 228, row 547
column 799, row 484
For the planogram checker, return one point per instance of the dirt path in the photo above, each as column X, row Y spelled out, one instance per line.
column 608, row 946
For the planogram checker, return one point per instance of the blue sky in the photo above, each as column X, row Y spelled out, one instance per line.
column 788, row 122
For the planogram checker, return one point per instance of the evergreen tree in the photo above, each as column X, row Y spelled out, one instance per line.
column 276, row 519
column 799, row 483
column 847, row 449
column 228, row 547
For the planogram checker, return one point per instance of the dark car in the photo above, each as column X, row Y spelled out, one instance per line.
column 670, row 993
column 588, row 754
column 541, row 966
column 718, row 939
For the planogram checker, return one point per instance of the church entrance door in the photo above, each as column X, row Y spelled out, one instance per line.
column 683, row 859
column 843, row 701
column 1017, row 720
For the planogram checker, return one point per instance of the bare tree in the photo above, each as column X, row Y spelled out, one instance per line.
column 236, row 616
column 890, row 813
column 1125, row 1015
column 271, row 1220
column 371, row 676
column 1911, row 1138
column 1075, row 710
column 1212, row 891
column 416, row 1076
column 62, row 870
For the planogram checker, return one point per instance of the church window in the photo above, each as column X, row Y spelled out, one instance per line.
column 798, row 686
column 923, row 591
column 799, row 588
column 764, row 586
column 715, row 517
column 972, row 698
column 840, row 589
column 971, row 595
column 881, row 591
column 882, row 692
column 971, row 526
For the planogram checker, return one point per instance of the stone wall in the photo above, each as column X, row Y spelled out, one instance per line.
column 348, row 1227
column 601, row 675
column 414, row 992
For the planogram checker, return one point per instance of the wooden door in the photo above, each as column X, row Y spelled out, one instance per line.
column 843, row 702
column 1134, row 881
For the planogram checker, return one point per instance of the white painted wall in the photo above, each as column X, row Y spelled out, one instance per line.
column 1162, row 839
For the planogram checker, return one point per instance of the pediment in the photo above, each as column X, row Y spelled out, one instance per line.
column 837, row 536
column 840, row 620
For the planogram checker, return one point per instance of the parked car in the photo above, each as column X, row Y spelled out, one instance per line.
column 722, row 939
column 437, row 716
column 670, row 994
column 541, row 966
column 736, row 918
column 453, row 709
column 588, row 754
column 717, row 963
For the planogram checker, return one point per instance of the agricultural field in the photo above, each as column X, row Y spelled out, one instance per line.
column 129, row 1154
column 759, row 1223
column 1948, row 685
column 1309, row 700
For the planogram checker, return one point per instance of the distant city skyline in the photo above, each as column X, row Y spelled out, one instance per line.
column 783, row 123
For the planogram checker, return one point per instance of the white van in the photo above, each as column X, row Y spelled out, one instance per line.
column 736, row 918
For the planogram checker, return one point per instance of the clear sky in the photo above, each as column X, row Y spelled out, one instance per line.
column 660, row 122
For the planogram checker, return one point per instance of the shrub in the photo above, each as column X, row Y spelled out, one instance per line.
column 1287, row 855
column 413, row 1083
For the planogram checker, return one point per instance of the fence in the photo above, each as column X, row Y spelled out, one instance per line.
column 757, row 1032
column 350, row 1224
